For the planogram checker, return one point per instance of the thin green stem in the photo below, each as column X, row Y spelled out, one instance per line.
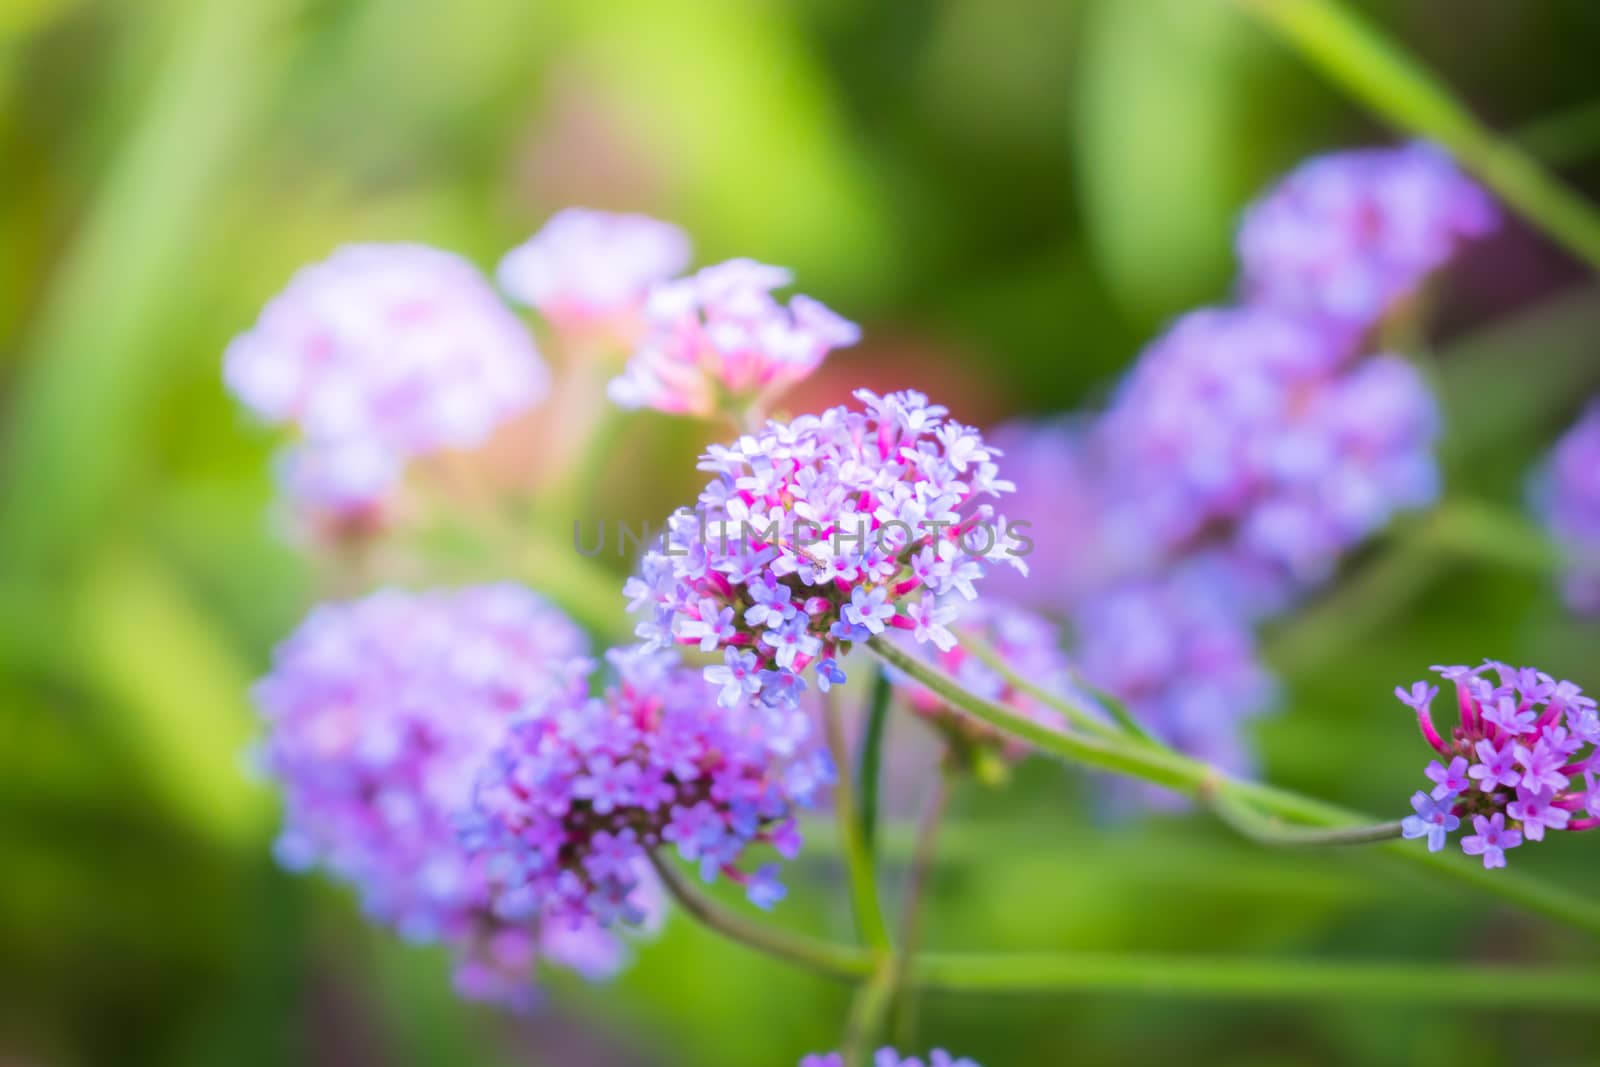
column 1189, row 776
column 1357, row 56
column 1082, row 718
column 923, row 856
column 867, row 1010
column 859, row 867
column 835, row 961
column 1139, row 974
column 1271, row 830
column 871, row 765
column 1211, row 978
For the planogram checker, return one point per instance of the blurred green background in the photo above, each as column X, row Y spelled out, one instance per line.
column 1009, row 194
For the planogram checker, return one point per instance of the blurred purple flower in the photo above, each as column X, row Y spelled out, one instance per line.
column 379, row 714
column 379, row 354
column 1347, row 235
column 1567, row 494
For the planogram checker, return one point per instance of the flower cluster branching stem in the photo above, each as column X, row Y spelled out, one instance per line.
column 1163, row 767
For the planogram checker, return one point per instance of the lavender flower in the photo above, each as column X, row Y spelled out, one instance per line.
column 1345, row 236
column 718, row 341
column 379, row 354
column 582, row 786
column 1567, row 492
column 1027, row 643
column 1514, row 755
column 888, row 1057
column 1431, row 820
column 869, row 521
column 591, row 271
column 379, row 713
column 1491, row 840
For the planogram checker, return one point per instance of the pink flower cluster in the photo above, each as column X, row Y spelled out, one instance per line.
column 380, row 713
column 820, row 533
column 1515, row 764
column 581, row 787
column 718, row 341
column 377, row 355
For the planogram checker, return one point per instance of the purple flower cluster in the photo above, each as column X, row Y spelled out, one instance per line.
column 380, row 712
column 1345, row 236
column 1515, row 765
column 820, row 533
column 591, row 271
column 582, row 786
column 888, row 1057
column 1260, row 433
column 377, row 355
column 1028, row 644
column 717, row 341
column 1569, row 497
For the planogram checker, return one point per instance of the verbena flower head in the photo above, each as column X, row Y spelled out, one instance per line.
column 379, row 713
column 1258, row 432
column 591, row 271
column 1174, row 649
column 1027, row 643
column 1568, row 494
column 1345, row 236
column 820, row 533
column 376, row 355
column 583, row 786
column 1518, row 761
column 719, row 341
column 888, row 1057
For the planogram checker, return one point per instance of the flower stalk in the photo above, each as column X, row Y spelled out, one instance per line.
column 1190, row 777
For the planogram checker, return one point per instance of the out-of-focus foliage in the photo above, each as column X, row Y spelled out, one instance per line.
column 1008, row 194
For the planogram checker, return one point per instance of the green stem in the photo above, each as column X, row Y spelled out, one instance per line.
column 1271, row 830
column 1080, row 717
column 871, row 767
column 1192, row 777
column 1139, row 974
column 858, row 860
column 1210, row 978
column 835, row 961
column 866, row 1014
column 922, row 859
column 1351, row 52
